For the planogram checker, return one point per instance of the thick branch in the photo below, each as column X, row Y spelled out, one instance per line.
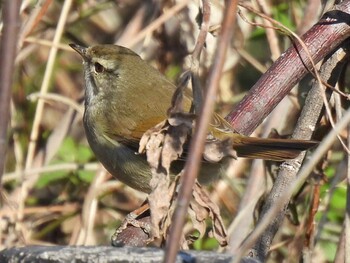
column 290, row 68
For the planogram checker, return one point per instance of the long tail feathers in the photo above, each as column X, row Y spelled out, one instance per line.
column 271, row 149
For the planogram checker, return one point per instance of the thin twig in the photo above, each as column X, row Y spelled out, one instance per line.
column 23, row 193
column 48, row 43
column 89, row 210
column 203, row 33
column 66, row 208
column 51, row 168
column 35, row 17
column 158, row 22
column 197, row 144
column 58, row 98
column 202, row 36
column 242, row 223
column 10, row 13
column 46, row 81
column 271, row 36
column 310, row 224
column 251, row 60
column 340, row 254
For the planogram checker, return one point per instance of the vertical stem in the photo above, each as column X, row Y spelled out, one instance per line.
column 197, row 144
column 8, row 48
column 46, row 81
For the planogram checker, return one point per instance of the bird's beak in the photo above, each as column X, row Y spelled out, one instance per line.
column 80, row 49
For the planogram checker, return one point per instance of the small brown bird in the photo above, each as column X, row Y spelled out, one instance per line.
column 125, row 96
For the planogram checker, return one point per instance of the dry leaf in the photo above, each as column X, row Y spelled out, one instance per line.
column 218, row 231
column 159, row 201
column 198, row 216
column 160, row 160
column 163, row 145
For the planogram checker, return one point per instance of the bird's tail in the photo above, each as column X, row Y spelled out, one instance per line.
column 270, row 149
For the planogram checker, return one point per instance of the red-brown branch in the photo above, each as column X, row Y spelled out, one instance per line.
column 290, row 68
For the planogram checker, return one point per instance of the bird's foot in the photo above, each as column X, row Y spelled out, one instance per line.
column 135, row 229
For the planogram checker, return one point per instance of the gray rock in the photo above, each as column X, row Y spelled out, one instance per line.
column 103, row 254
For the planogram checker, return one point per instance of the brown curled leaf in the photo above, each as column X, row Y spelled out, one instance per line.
column 173, row 146
column 218, row 231
column 159, row 200
column 146, row 139
column 198, row 215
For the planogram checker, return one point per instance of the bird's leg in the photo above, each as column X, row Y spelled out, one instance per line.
column 135, row 228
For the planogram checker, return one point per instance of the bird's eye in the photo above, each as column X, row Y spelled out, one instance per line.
column 98, row 67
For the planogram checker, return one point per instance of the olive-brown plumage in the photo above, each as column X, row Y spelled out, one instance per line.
column 125, row 97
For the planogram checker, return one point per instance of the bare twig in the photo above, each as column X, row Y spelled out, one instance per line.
column 51, row 168
column 86, row 236
column 202, row 34
column 340, row 254
column 66, row 208
column 22, row 193
column 310, row 225
column 251, row 60
column 59, row 98
column 242, row 224
column 48, row 43
column 36, row 15
column 158, row 22
column 270, row 32
column 196, row 89
column 45, row 84
column 197, row 144
column 10, row 12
